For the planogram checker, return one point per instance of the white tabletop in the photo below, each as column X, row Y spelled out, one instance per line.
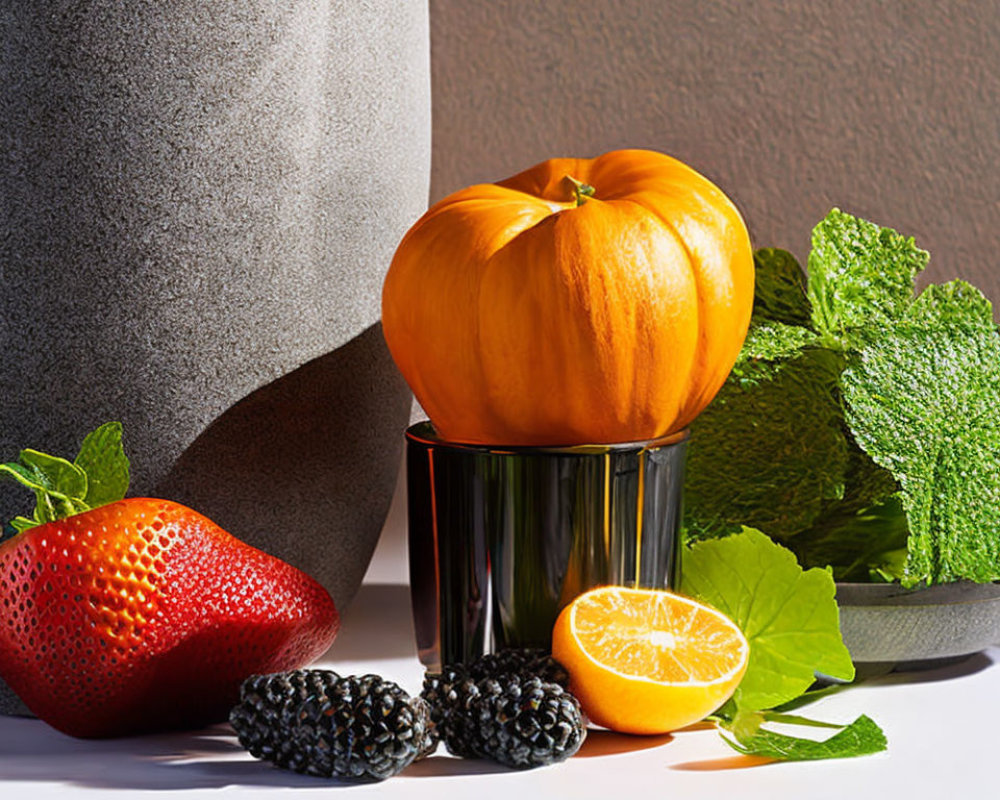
column 941, row 725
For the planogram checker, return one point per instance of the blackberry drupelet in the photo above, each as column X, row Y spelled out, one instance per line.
column 353, row 727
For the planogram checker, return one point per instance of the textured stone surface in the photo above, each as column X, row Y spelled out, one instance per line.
column 884, row 624
column 888, row 110
column 306, row 466
column 11, row 704
column 198, row 203
column 197, row 197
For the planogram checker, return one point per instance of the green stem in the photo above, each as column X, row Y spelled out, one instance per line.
column 582, row 191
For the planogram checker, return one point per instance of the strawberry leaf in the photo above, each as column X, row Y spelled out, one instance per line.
column 104, row 461
column 63, row 488
column 59, row 486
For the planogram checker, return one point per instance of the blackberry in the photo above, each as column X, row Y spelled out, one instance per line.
column 267, row 706
column 317, row 723
column 527, row 662
column 448, row 694
column 524, row 722
column 442, row 696
column 464, row 697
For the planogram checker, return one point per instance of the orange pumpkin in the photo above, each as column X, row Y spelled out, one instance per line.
column 580, row 301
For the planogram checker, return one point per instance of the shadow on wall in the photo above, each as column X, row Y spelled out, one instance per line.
column 304, row 467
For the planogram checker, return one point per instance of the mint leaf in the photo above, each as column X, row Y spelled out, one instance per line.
column 770, row 451
column 885, row 471
column 749, row 737
column 861, row 278
column 767, row 346
column 922, row 401
column 103, row 460
column 862, row 737
column 779, row 288
column 788, row 615
column 955, row 304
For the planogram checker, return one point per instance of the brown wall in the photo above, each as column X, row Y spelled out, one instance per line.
column 890, row 110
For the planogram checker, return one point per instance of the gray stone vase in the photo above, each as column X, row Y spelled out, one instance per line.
column 198, row 203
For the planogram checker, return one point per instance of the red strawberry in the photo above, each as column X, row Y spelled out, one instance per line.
column 144, row 615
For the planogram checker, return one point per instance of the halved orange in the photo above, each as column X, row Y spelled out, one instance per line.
column 648, row 660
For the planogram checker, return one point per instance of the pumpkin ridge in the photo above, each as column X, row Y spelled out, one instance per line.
column 699, row 355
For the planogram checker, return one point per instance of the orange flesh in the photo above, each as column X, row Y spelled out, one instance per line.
column 658, row 636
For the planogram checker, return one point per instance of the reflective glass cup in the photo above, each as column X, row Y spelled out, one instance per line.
column 501, row 538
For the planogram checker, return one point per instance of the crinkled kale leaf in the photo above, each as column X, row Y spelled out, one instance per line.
column 780, row 288
column 859, row 425
column 770, row 450
column 861, row 278
column 923, row 401
column 768, row 346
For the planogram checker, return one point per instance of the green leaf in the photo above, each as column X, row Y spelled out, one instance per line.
column 861, row 278
column 59, row 486
column 955, row 304
column 63, row 488
column 103, row 459
column 767, row 347
column 922, row 401
column 23, row 475
column 56, row 474
column 768, row 453
column 886, row 471
column 779, row 288
column 19, row 525
column 788, row 615
column 862, row 737
column 869, row 544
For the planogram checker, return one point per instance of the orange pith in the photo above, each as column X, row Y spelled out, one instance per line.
column 648, row 661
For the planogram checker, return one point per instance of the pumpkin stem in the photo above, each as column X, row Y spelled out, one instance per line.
column 582, row 191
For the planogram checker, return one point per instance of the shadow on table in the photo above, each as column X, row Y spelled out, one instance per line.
column 32, row 751
column 608, row 743
column 210, row 759
column 441, row 766
column 926, row 671
column 724, row 763
column 378, row 625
